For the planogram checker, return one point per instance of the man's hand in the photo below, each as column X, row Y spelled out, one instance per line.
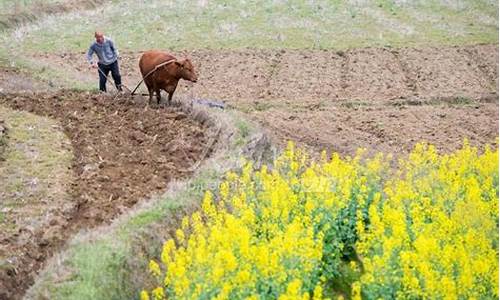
column 93, row 65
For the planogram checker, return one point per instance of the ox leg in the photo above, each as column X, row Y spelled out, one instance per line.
column 151, row 92
column 171, row 92
column 170, row 95
column 158, row 96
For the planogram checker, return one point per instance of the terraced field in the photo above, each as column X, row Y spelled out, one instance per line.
column 328, row 75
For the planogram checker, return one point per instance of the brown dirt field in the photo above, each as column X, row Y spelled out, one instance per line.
column 372, row 74
column 379, row 98
column 384, row 128
column 123, row 153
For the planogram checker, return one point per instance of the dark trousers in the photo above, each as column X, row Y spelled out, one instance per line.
column 115, row 73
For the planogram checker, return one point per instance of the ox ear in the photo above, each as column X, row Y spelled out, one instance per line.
column 180, row 63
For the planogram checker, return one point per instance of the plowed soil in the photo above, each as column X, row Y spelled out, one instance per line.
column 388, row 129
column 122, row 154
column 382, row 99
column 370, row 74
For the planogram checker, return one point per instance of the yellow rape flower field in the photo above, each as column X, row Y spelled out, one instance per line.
column 359, row 228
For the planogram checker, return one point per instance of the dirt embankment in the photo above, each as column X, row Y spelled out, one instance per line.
column 123, row 153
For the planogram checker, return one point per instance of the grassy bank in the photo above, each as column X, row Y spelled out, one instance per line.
column 34, row 172
column 137, row 25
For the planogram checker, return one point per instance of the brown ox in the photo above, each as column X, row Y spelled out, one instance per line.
column 166, row 77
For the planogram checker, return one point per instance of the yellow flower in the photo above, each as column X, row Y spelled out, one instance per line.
column 179, row 234
column 158, row 294
column 154, row 268
column 292, row 290
column 144, row 295
column 318, row 292
column 426, row 230
column 441, row 221
column 356, row 291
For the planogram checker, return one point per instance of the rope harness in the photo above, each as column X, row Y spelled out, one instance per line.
column 152, row 71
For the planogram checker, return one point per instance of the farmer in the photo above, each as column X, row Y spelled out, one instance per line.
column 107, row 53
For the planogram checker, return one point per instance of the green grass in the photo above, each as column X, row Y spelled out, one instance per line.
column 14, row 13
column 176, row 25
column 36, row 165
column 243, row 127
column 95, row 262
column 137, row 25
column 11, row 6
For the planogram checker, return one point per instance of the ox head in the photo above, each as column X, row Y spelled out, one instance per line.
column 187, row 69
